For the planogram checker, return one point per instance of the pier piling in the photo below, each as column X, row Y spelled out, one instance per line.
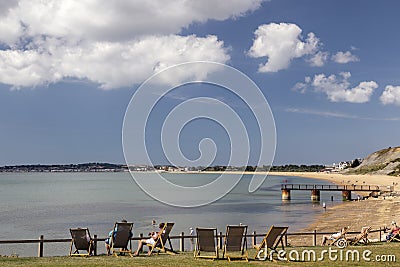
column 315, row 195
column 285, row 194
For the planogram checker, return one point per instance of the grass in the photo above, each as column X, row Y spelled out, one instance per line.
column 186, row 259
column 369, row 169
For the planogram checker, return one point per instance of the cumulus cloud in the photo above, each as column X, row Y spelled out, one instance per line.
column 281, row 43
column 338, row 88
column 345, row 57
column 113, row 43
column 319, row 59
column 391, row 95
column 110, row 64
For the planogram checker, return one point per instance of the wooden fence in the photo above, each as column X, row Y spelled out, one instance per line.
column 181, row 238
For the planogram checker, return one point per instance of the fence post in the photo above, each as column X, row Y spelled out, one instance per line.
column 380, row 234
column 254, row 239
column 286, row 239
column 95, row 245
column 220, row 240
column 315, row 237
column 40, row 247
column 182, row 242
column 141, row 237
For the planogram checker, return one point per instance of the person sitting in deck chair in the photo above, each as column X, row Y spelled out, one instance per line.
column 393, row 231
column 334, row 236
column 151, row 240
column 113, row 233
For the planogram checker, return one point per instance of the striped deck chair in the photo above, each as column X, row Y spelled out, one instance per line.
column 206, row 243
column 162, row 239
column 272, row 239
column 82, row 241
column 235, row 241
column 120, row 240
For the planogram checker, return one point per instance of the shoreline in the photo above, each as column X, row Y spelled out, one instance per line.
column 374, row 212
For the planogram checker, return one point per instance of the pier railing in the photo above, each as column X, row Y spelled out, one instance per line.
column 330, row 187
column 181, row 239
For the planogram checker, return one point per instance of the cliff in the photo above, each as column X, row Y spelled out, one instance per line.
column 385, row 161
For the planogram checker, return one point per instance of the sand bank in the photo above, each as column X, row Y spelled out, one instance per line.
column 375, row 212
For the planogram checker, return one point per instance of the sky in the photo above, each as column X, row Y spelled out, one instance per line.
column 68, row 70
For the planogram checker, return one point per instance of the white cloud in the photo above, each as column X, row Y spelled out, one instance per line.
column 319, row 59
column 338, row 89
column 321, row 113
column 110, row 64
column 337, row 114
column 114, row 43
column 345, row 57
column 281, row 43
column 99, row 20
column 391, row 95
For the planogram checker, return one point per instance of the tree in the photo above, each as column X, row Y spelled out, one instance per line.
column 355, row 163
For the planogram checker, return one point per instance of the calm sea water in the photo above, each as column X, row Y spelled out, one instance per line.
column 34, row 204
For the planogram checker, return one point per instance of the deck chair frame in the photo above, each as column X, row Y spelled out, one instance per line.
column 341, row 240
column 206, row 241
column 80, row 240
column 363, row 235
column 395, row 237
column 235, row 234
column 162, row 240
column 272, row 239
column 120, row 240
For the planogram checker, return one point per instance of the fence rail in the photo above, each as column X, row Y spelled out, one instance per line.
column 182, row 237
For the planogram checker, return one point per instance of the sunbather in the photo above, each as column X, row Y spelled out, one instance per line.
column 151, row 240
column 334, row 236
column 110, row 234
column 393, row 231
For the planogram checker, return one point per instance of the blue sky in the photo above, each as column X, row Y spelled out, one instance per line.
column 329, row 70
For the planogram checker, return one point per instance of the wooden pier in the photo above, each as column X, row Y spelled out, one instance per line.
column 316, row 190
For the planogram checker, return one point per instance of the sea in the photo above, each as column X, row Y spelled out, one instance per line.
column 49, row 204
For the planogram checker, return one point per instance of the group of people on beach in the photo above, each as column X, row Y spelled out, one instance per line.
column 391, row 232
column 153, row 236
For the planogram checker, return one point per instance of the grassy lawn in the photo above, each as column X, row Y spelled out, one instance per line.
column 186, row 259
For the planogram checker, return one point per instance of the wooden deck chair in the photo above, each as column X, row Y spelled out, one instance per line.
column 235, row 241
column 341, row 241
column 272, row 239
column 162, row 239
column 361, row 237
column 82, row 241
column 206, row 241
column 395, row 237
column 120, row 240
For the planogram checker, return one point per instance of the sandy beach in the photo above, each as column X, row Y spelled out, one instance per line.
column 375, row 212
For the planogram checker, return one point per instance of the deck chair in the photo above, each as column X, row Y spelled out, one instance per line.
column 272, row 239
column 340, row 241
column 362, row 237
column 206, row 241
column 120, row 240
column 82, row 241
column 162, row 239
column 395, row 237
column 235, row 241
